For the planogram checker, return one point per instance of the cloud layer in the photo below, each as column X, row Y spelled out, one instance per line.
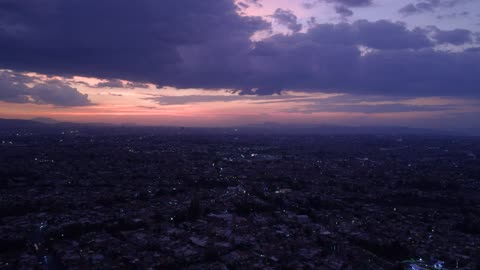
column 288, row 19
column 207, row 44
column 15, row 88
column 423, row 6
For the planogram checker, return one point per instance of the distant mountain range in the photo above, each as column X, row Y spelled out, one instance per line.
column 19, row 124
column 47, row 125
column 272, row 127
column 45, row 120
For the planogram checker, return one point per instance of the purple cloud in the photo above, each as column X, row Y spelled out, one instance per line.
column 206, row 44
column 455, row 37
column 287, row 19
column 54, row 92
column 428, row 6
column 343, row 11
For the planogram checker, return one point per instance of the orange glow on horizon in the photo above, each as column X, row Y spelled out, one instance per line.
column 201, row 107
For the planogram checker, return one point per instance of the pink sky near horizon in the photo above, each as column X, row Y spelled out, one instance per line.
column 135, row 106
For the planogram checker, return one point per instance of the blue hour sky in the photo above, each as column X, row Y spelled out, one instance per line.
column 223, row 62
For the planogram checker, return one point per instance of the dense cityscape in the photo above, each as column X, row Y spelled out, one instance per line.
column 240, row 134
column 179, row 198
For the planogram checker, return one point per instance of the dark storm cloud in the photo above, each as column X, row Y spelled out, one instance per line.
column 206, row 44
column 382, row 35
column 343, row 11
column 287, row 19
column 123, row 39
column 13, row 89
column 110, row 84
column 428, row 6
column 136, row 85
column 455, row 37
column 59, row 94
column 387, row 35
column 115, row 83
column 327, row 57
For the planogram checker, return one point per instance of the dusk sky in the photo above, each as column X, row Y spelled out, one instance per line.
column 409, row 63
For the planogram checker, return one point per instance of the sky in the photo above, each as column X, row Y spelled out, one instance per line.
column 412, row 63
